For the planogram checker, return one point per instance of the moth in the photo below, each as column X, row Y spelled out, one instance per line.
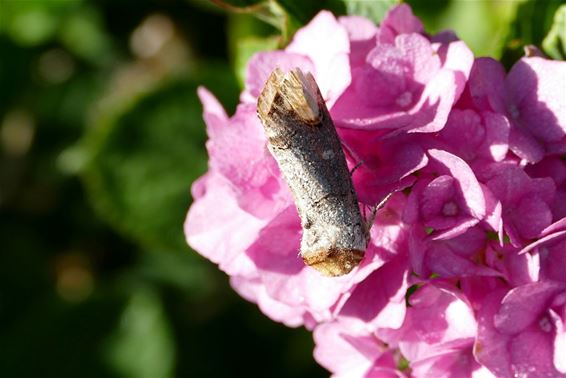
column 303, row 140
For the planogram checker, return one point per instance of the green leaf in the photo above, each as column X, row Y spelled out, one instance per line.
column 83, row 34
column 532, row 22
column 410, row 291
column 372, row 9
column 269, row 11
column 304, row 11
column 246, row 48
column 186, row 271
column 483, row 25
column 51, row 338
column 143, row 157
column 33, row 22
column 142, row 346
column 236, row 5
column 266, row 10
column 403, row 364
column 248, row 35
column 554, row 44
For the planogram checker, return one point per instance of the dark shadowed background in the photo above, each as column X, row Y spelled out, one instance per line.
column 100, row 139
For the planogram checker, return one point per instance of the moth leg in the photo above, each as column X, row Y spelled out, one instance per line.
column 358, row 165
column 369, row 220
column 350, row 152
column 383, row 201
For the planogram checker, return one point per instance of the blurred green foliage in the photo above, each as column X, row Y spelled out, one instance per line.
column 554, row 43
column 101, row 137
column 532, row 22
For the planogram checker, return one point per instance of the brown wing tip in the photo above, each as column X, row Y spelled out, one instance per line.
column 298, row 91
column 268, row 93
column 334, row 262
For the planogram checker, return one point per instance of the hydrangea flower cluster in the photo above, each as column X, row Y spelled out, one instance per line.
column 465, row 274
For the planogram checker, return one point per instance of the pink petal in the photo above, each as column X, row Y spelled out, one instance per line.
column 519, row 269
column 219, row 229
column 450, row 363
column 464, row 133
column 358, row 28
column 539, row 242
column 436, row 194
column 342, row 352
column 379, row 300
column 418, row 49
column 250, row 168
column 525, row 145
column 457, row 57
column 386, row 164
column 470, row 187
column 361, row 33
column 212, row 107
column 493, row 209
column 254, row 291
column 531, row 351
column 398, row 20
column 497, row 138
column 287, row 279
column 559, row 343
column 536, row 89
column 431, row 112
column 445, row 263
column 487, row 85
column 490, row 348
column 437, row 324
column 553, row 260
column 530, row 217
column 262, row 64
column 325, row 41
column 523, row 305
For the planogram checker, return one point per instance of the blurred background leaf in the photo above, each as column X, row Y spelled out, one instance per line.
column 101, row 136
column 31, row 23
column 373, row 10
column 304, row 11
column 554, row 44
column 248, row 35
column 143, row 157
column 532, row 22
column 483, row 25
column 128, row 350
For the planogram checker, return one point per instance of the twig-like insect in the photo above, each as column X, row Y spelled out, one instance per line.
column 303, row 140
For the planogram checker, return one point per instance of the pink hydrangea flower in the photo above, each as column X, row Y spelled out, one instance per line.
column 349, row 354
column 521, row 332
column 548, row 252
column 407, row 82
column 450, row 200
column 554, row 168
column 459, row 256
column 526, row 201
column 517, row 268
column 476, row 137
column 321, row 48
column 399, row 20
column 535, row 103
column 388, row 165
column 438, row 334
column 531, row 96
column 465, row 272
